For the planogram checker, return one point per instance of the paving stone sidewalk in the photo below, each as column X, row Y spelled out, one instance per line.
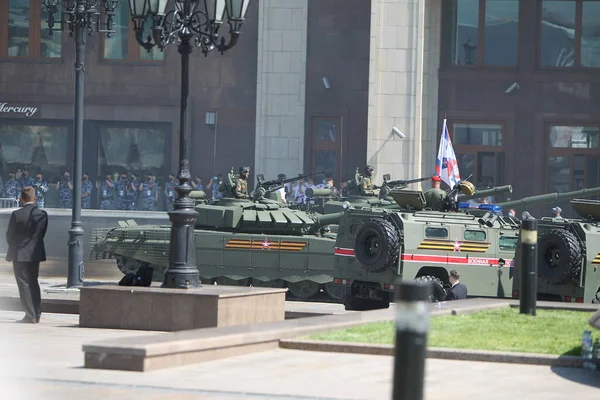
column 45, row 361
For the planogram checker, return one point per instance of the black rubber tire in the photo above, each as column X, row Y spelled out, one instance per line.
column 559, row 256
column 358, row 304
column 438, row 293
column 596, row 299
column 377, row 245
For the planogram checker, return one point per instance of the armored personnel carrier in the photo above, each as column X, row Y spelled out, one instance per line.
column 239, row 241
column 377, row 247
column 568, row 256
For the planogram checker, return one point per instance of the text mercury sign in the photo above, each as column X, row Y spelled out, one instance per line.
column 7, row 108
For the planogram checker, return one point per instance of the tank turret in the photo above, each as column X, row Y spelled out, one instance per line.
column 486, row 192
column 549, row 198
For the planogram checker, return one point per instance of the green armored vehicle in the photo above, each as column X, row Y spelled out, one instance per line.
column 568, row 256
column 377, row 247
column 239, row 241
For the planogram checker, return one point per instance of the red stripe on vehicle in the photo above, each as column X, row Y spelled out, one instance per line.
column 439, row 259
column 339, row 251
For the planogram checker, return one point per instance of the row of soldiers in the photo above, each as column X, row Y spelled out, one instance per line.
column 122, row 194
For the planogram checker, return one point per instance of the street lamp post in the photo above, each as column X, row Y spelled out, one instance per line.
column 191, row 23
column 79, row 16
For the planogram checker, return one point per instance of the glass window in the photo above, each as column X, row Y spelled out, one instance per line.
column 477, row 134
column 501, row 32
column 116, row 47
column 154, row 53
column 559, row 174
column 36, row 147
column 475, row 235
column 466, row 164
column 508, row 243
column 325, row 161
column 466, row 32
column 437, row 233
column 558, row 33
column 131, row 150
column 50, row 45
column 326, row 130
column 18, row 28
column 590, row 34
column 579, row 137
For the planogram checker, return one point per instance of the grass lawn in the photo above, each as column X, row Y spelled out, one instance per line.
column 550, row 332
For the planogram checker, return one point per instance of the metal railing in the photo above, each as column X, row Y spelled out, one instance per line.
column 9, row 203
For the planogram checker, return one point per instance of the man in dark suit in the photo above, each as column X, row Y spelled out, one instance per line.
column 458, row 290
column 25, row 237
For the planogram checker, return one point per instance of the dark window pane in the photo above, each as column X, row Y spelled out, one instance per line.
column 438, row 233
column 326, row 130
column 508, row 243
column 501, row 32
column 558, row 33
column 465, row 32
column 465, row 164
column 116, row 46
column 18, row 28
column 133, row 150
column 474, row 235
column 590, row 34
column 50, row 45
column 580, row 137
column 578, row 172
column 559, row 174
column 39, row 148
column 325, row 161
column 592, row 171
column 477, row 134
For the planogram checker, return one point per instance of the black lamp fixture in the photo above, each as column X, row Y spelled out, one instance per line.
column 79, row 17
column 192, row 23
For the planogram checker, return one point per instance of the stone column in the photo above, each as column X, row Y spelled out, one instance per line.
column 403, row 87
column 282, row 34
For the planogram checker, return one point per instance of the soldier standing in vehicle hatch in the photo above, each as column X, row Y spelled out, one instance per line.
column 366, row 182
column 149, row 190
column 240, row 190
column 106, row 192
column 434, row 197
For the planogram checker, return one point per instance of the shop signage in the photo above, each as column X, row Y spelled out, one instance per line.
column 7, row 108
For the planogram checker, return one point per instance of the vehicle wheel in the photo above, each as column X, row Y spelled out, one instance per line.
column 438, row 293
column 304, row 289
column 276, row 283
column 559, row 256
column 128, row 265
column 221, row 280
column 596, row 299
column 336, row 292
column 377, row 245
column 358, row 304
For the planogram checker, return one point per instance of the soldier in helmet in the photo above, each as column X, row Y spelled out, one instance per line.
column 434, row 197
column 366, row 182
column 240, row 190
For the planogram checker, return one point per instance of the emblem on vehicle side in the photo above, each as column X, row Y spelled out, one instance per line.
column 454, row 246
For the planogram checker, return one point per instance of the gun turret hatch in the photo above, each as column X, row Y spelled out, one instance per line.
column 587, row 209
column 410, row 199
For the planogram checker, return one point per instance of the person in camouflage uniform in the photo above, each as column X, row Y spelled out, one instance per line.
column 41, row 188
column 434, row 197
column 122, row 187
column 149, row 191
column 106, row 188
column 86, row 191
column 65, row 190
column 12, row 188
column 26, row 180
column 240, row 191
column 132, row 192
column 170, row 192
column 366, row 182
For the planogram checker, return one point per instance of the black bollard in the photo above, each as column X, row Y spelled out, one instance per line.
column 529, row 259
column 412, row 324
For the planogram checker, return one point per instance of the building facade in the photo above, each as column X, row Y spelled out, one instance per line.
column 320, row 85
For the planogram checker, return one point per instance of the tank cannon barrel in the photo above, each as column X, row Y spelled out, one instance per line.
column 197, row 195
column 486, row 192
column 550, row 197
column 314, row 192
column 328, row 219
